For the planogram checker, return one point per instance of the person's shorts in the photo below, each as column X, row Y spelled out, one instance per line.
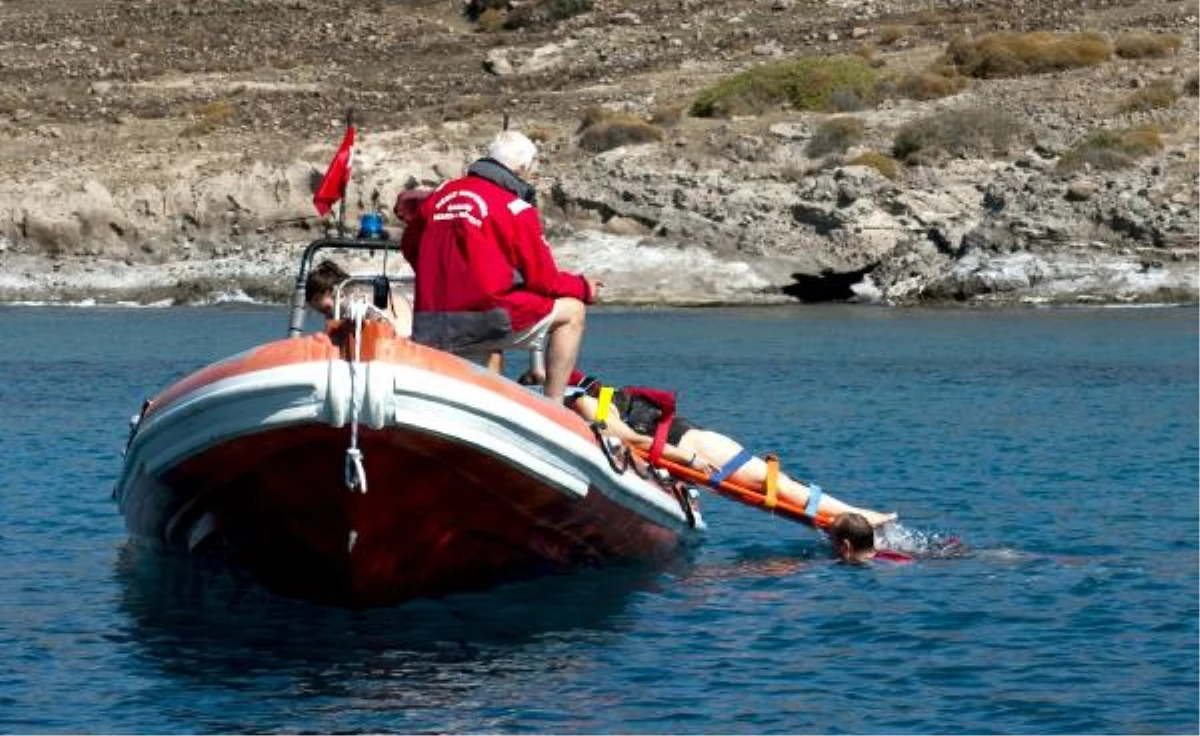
column 679, row 427
column 532, row 338
column 642, row 417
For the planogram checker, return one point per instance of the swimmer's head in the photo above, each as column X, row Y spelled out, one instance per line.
column 852, row 538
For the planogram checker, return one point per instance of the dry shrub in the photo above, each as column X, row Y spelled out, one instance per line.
column 932, row 17
column 540, row 134
column 465, row 108
column 1110, row 150
column 210, row 116
column 592, row 115
column 930, row 85
column 845, row 100
column 544, row 13
column 490, row 20
column 120, row 41
column 1159, row 94
column 890, row 34
column 1141, row 45
column 10, row 103
column 835, row 135
column 865, row 51
column 1191, row 87
column 807, row 83
column 1011, row 54
column 603, row 130
column 792, row 173
column 885, row 165
column 666, row 116
column 474, row 9
column 972, row 132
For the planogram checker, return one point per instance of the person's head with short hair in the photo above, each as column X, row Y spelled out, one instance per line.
column 320, row 286
column 514, row 151
column 852, row 537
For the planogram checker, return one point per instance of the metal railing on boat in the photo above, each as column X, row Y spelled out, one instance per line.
column 296, row 319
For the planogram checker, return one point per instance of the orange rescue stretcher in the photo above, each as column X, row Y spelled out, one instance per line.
column 764, row 497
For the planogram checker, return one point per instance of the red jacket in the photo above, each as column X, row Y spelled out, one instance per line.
column 475, row 246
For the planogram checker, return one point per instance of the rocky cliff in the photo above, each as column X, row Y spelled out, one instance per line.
column 169, row 150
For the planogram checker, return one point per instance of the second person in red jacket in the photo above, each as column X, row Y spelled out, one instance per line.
column 485, row 277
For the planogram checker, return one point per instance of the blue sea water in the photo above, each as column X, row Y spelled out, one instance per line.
column 1059, row 446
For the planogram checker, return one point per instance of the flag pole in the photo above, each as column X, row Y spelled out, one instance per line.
column 341, row 224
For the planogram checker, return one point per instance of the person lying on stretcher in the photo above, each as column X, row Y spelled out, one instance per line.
column 634, row 418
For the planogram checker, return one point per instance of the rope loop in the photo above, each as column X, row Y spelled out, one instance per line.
column 356, row 472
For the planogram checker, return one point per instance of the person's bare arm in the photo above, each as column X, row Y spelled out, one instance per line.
column 586, row 407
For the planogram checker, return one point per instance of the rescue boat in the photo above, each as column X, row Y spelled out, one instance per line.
column 354, row 467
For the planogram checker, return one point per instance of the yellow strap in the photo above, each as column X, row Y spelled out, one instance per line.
column 606, row 393
column 772, row 482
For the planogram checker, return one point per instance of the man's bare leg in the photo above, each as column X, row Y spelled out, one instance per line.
column 566, row 335
column 495, row 362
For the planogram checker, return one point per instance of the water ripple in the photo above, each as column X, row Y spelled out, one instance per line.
column 1044, row 464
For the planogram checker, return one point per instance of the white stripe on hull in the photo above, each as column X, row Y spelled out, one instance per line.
column 391, row 395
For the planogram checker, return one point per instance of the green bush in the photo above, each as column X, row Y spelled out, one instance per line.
column 807, row 83
column 1110, row 150
column 972, row 132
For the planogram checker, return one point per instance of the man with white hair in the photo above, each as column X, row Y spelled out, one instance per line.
column 486, row 280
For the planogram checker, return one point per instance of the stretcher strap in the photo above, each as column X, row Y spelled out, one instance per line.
column 660, row 435
column 731, row 467
column 605, row 401
column 814, row 500
column 664, row 401
column 772, row 482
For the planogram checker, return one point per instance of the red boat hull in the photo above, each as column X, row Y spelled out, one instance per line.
column 470, row 479
column 437, row 517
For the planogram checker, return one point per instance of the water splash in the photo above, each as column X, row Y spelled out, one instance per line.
column 918, row 543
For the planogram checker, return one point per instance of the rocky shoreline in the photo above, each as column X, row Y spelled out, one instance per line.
column 133, row 178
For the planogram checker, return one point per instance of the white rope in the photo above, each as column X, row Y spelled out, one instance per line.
column 355, row 472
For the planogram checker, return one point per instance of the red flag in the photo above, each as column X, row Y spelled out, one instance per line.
column 333, row 186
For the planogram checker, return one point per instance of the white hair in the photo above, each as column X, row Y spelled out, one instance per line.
column 514, row 150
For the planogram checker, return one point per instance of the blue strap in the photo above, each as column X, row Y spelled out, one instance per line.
column 731, row 467
column 814, row 500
